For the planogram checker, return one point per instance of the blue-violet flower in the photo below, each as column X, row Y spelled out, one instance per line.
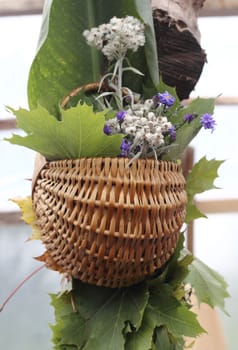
column 165, row 98
column 107, row 129
column 121, row 116
column 207, row 121
column 172, row 133
column 125, row 148
column 188, row 117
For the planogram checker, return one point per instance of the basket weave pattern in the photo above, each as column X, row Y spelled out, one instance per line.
column 108, row 223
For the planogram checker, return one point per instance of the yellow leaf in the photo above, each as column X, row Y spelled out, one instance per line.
column 28, row 215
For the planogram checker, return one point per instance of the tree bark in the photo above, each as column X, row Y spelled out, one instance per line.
column 181, row 58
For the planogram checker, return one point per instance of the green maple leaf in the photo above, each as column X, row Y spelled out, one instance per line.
column 209, row 286
column 165, row 310
column 142, row 339
column 69, row 324
column 101, row 318
column 202, row 176
column 78, row 133
column 192, row 212
column 164, row 341
column 199, row 180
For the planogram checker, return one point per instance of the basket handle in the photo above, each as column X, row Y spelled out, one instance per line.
column 91, row 87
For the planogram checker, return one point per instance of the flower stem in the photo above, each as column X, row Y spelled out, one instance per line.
column 119, row 83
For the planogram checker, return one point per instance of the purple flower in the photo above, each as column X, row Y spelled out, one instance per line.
column 172, row 133
column 107, row 129
column 207, row 121
column 125, row 148
column 165, row 98
column 188, row 117
column 121, row 116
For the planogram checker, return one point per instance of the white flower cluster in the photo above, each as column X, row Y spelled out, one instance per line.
column 117, row 36
column 143, row 126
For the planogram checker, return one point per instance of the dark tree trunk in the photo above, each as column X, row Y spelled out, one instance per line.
column 181, row 58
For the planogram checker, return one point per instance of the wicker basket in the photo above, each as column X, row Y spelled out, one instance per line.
column 107, row 223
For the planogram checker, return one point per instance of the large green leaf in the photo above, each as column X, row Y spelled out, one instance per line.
column 78, row 133
column 210, row 287
column 64, row 60
column 100, row 317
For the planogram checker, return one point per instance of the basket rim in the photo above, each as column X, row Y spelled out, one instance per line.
column 41, row 162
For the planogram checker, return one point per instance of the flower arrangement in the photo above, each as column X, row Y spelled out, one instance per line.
column 131, row 118
column 148, row 127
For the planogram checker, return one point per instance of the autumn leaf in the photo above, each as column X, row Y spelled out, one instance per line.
column 28, row 215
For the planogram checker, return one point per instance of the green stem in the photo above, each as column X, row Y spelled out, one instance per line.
column 119, row 84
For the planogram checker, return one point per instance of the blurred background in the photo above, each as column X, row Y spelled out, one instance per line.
column 24, row 324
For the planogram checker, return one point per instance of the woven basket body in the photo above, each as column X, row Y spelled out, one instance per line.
column 108, row 223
